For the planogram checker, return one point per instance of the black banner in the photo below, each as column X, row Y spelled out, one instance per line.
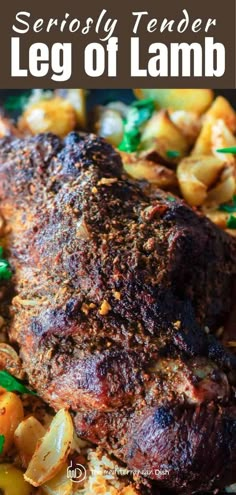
column 111, row 44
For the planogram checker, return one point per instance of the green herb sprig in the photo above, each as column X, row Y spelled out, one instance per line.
column 172, row 153
column 229, row 208
column 17, row 103
column 2, row 442
column 139, row 112
column 171, row 198
column 5, row 270
column 231, row 149
column 12, row 384
column 231, row 222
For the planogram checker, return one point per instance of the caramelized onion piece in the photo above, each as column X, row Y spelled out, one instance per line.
column 59, row 485
column 52, row 450
column 26, row 437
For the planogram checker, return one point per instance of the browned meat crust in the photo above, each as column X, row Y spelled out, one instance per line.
column 115, row 286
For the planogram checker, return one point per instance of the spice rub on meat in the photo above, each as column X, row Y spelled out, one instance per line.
column 115, row 288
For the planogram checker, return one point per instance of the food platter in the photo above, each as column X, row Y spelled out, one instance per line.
column 117, row 268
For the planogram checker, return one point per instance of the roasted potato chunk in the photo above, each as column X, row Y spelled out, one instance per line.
column 7, row 128
column 220, row 218
column 109, row 125
column 53, row 115
column 222, row 137
column 11, row 414
column 12, row 481
column 188, row 123
column 216, row 216
column 214, row 135
column 191, row 100
column 203, row 144
column 221, row 109
column 205, row 179
column 142, row 169
column 163, row 135
column 77, row 99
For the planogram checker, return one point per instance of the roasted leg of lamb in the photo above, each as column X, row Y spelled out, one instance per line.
column 118, row 292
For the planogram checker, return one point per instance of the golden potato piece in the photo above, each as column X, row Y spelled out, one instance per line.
column 214, row 135
column 193, row 190
column 231, row 232
column 207, row 169
column 203, row 144
column 77, row 99
column 222, row 192
column 7, row 128
column 143, row 169
column 222, row 137
column 188, row 123
column 196, row 175
column 2, row 225
column 109, row 125
column 220, row 218
column 221, row 109
column 11, row 414
column 163, row 135
column 129, row 490
column 216, row 216
column 191, row 100
column 54, row 115
column 12, row 481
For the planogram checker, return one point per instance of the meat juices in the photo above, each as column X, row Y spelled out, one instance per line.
column 116, row 285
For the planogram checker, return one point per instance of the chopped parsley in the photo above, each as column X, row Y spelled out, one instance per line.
column 5, row 271
column 130, row 141
column 16, row 103
column 2, row 442
column 139, row 112
column 231, row 222
column 12, row 384
column 231, row 149
column 229, row 208
column 172, row 154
